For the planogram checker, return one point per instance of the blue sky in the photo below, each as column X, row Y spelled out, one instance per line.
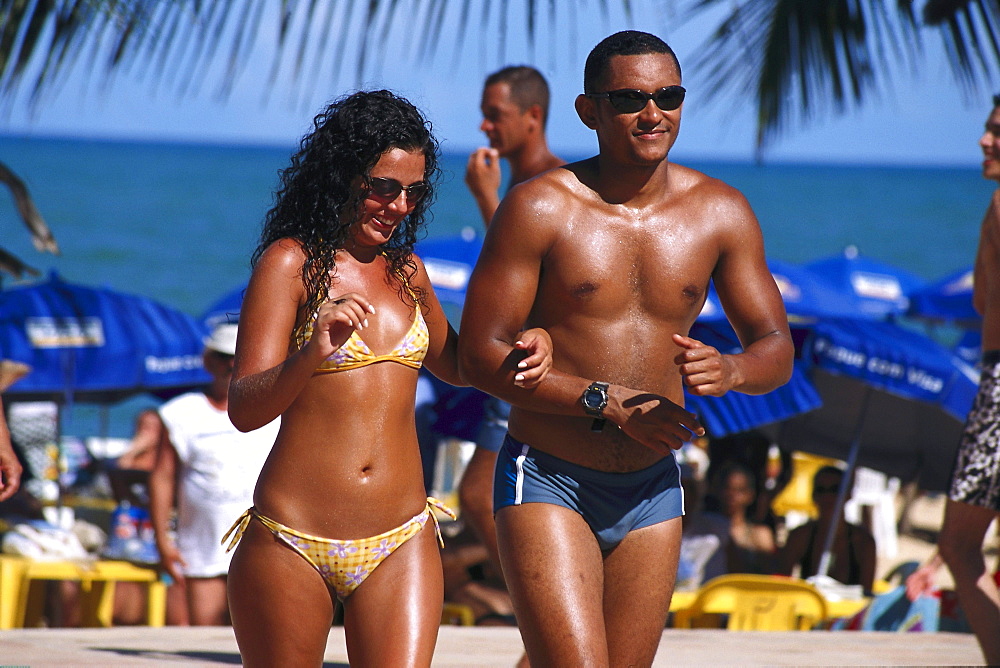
column 924, row 120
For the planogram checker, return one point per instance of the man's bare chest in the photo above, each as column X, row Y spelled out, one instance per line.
column 664, row 270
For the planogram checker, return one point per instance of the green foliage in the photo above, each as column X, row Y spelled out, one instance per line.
column 793, row 58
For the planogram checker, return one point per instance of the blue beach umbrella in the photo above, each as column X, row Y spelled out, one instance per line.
column 449, row 262
column 807, row 295
column 947, row 299
column 735, row 412
column 93, row 344
column 879, row 289
column 893, row 400
column 804, row 293
column 226, row 309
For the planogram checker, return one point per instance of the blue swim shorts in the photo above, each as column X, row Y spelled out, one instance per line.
column 613, row 504
column 494, row 426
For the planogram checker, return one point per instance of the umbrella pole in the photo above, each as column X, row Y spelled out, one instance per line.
column 852, row 459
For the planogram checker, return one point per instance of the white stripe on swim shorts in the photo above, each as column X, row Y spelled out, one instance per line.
column 678, row 465
column 519, row 484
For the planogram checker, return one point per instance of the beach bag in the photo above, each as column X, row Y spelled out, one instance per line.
column 131, row 537
column 893, row 611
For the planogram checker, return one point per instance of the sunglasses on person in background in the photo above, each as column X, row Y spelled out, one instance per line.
column 826, row 489
column 629, row 101
column 389, row 189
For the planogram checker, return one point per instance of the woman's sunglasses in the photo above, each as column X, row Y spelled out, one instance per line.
column 389, row 189
column 629, row 101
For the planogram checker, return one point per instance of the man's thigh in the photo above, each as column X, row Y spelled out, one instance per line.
column 639, row 577
column 554, row 571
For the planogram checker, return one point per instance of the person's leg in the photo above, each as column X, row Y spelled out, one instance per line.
column 177, row 608
column 639, row 579
column 130, row 603
column 554, row 572
column 207, row 604
column 475, row 497
column 392, row 618
column 282, row 610
column 961, row 546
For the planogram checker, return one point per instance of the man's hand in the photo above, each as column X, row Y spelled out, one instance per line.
column 483, row 176
column 655, row 421
column 706, row 371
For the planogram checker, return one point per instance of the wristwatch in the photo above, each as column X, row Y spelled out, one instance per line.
column 594, row 399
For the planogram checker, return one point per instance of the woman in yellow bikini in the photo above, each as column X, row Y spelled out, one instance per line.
column 337, row 319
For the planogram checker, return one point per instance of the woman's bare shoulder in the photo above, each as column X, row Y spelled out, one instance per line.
column 283, row 256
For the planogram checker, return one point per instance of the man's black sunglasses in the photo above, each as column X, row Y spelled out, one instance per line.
column 389, row 189
column 629, row 101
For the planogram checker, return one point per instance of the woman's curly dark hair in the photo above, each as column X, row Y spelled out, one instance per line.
column 318, row 199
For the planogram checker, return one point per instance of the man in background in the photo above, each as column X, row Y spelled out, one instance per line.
column 974, row 497
column 515, row 107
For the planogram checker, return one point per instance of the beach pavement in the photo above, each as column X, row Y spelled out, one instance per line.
column 486, row 647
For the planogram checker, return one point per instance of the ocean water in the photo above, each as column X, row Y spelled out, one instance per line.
column 178, row 222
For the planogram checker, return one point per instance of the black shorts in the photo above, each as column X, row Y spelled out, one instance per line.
column 976, row 477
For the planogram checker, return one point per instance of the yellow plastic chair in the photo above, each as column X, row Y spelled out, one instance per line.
column 796, row 496
column 458, row 614
column 755, row 603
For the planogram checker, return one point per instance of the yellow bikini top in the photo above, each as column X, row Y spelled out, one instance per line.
column 355, row 353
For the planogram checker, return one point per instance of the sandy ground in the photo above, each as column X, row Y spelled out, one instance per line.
column 487, row 647
column 471, row 647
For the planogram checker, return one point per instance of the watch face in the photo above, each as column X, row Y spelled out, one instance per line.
column 594, row 398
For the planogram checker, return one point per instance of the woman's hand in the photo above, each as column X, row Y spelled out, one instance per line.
column 535, row 366
column 336, row 320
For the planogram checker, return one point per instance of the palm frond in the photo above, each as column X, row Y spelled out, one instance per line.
column 801, row 58
column 970, row 31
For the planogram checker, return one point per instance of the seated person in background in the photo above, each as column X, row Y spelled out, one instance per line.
column 853, row 551
column 470, row 580
column 924, row 580
column 129, row 475
column 751, row 545
column 141, row 453
column 705, row 537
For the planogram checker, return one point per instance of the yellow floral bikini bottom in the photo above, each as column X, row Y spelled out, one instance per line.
column 344, row 564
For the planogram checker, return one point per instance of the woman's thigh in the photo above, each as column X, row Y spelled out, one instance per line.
column 392, row 618
column 281, row 608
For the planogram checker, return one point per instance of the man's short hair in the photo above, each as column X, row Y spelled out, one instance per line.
column 996, row 100
column 624, row 43
column 527, row 87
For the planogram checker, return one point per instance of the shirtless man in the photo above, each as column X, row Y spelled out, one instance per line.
column 613, row 255
column 974, row 498
column 515, row 106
